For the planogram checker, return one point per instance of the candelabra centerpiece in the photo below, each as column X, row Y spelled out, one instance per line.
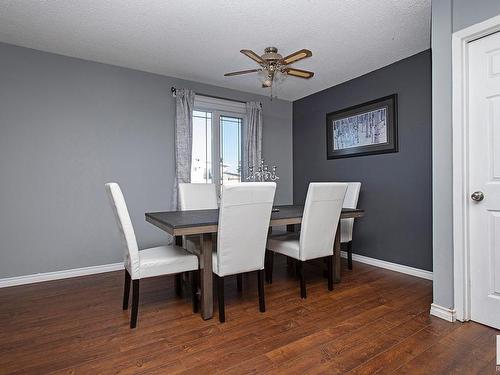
column 262, row 173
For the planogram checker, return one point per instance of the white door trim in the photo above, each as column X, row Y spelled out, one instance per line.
column 460, row 65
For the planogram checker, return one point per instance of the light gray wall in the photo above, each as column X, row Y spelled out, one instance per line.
column 441, row 154
column 470, row 12
column 447, row 16
column 395, row 187
column 67, row 126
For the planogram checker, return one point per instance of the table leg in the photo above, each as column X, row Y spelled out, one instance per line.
column 179, row 286
column 336, row 254
column 207, row 305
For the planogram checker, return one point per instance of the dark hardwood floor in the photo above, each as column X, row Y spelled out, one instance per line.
column 375, row 321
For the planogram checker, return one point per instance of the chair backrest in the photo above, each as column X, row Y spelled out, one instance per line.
column 125, row 227
column 244, row 215
column 197, row 196
column 320, row 219
column 350, row 201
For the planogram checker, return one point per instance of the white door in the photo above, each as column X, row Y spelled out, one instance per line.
column 484, row 179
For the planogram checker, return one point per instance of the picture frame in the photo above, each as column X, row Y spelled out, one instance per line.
column 365, row 129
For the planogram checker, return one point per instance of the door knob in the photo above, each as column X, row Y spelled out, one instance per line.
column 477, row 196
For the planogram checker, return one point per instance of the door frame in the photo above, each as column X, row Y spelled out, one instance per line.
column 460, row 126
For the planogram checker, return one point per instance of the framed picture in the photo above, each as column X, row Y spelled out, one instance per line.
column 365, row 129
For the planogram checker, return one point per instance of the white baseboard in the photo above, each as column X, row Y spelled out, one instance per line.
column 65, row 274
column 390, row 266
column 443, row 312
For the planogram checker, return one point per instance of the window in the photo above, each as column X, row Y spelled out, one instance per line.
column 217, row 136
column 201, row 164
column 230, row 148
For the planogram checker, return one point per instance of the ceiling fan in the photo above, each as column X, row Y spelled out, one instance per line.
column 275, row 67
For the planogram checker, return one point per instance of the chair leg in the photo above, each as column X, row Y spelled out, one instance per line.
column 298, row 267
column 329, row 263
column 178, row 285
column 135, row 303
column 194, row 289
column 239, row 282
column 266, row 265
column 270, row 266
column 126, row 290
column 349, row 255
column 220, row 296
column 290, row 265
column 262, row 300
column 302, row 275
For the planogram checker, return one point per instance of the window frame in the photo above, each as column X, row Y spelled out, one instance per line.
column 211, row 141
column 221, row 108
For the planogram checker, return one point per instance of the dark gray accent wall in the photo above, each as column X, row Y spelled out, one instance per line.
column 396, row 188
column 67, row 126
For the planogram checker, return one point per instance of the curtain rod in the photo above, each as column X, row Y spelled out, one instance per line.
column 173, row 90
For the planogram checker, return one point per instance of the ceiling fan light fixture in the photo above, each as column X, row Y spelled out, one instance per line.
column 274, row 68
column 265, row 78
column 280, row 75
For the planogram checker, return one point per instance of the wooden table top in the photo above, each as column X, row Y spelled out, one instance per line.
column 205, row 221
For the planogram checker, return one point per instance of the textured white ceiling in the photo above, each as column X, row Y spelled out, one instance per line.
column 200, row 40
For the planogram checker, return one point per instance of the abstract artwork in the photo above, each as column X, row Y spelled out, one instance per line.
column 368, row 128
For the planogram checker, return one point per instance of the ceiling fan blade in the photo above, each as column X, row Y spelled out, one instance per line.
column 253, row 56
column 299, row 73
column 296, row 56
column 242, row 72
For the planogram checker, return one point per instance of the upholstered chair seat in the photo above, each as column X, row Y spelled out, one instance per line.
column 165, row 260
column 286, row 244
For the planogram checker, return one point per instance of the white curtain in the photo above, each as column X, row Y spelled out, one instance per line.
column 183, row 140
column 252, row 153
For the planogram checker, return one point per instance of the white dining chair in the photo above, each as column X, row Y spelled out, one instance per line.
column 347, row 225
column 156, row 261
column 197, row 196
column 194, row 196
column 244, row 216
column 317, row 235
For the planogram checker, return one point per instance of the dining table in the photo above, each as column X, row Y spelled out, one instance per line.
column 205, row 224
